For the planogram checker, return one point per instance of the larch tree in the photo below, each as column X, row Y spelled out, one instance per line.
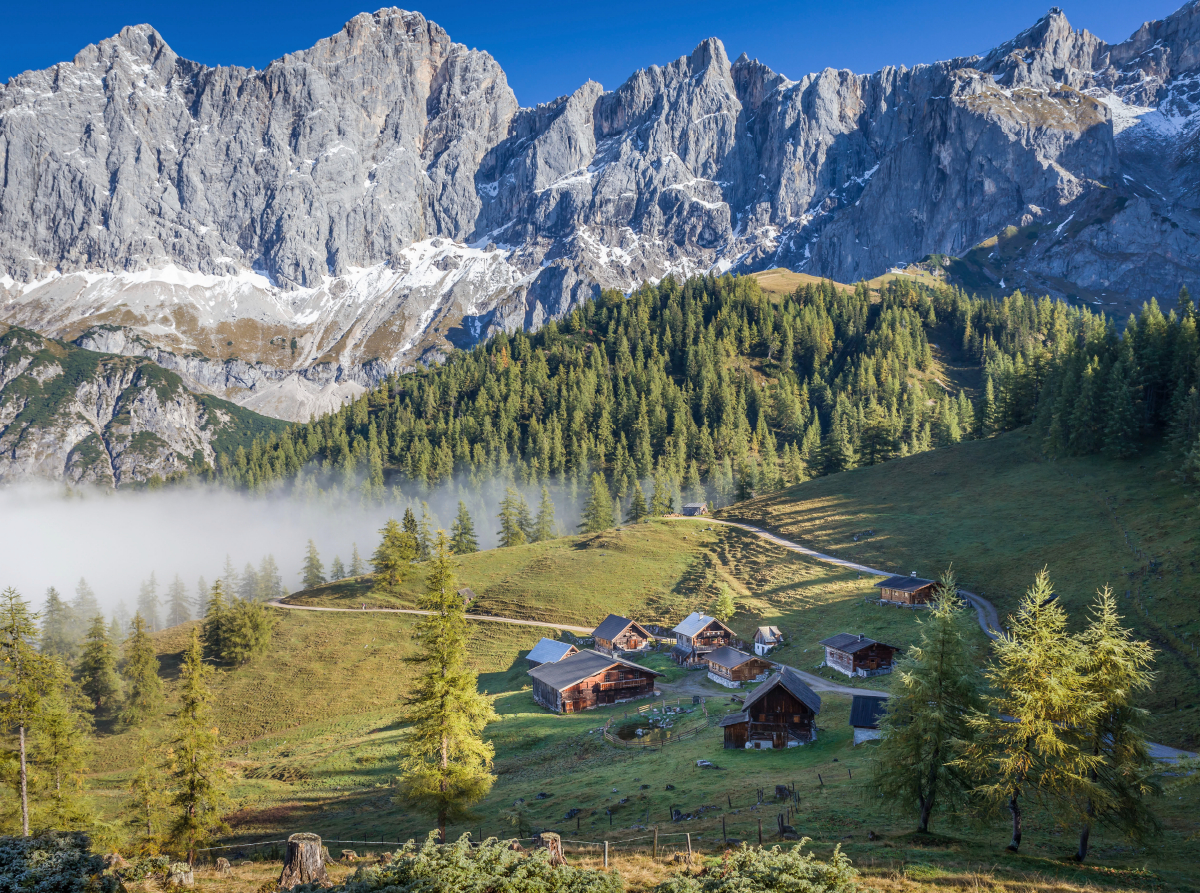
column 270, row 583
column 147, row 797
column 725, row 606
column 925, row 727
column 143, row 688
column 394, row 556
column 199, row 779
column 248, row 589
column 462, row 533
column 357, row 568
column 637, row 506
column 201, row 600
column 212, row 629
column 98, row 676
column 60, row 739
column 24, row 677
column 178, row 610
column 148, row 604
column 544, row 526
column 58, row 627
column 1116, row 669
column 598, row 510
column 446, row 764
column 1025, row 743
column 515, row 522
column 313, row 574
column 246, row 632
column 337, row 570
column 84, row 606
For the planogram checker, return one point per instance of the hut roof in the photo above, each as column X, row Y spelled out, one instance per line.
column 865, row 711
column 904, row 584
column 613, row 625
column 564, row 673
column 548, row 651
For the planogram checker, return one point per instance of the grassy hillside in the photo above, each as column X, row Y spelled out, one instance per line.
column 1000, row 512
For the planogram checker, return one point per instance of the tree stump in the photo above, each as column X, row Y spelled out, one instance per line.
column 349, row 856
column 223, row 868
column 179, row 874
column 304, row 862
column 552, row 843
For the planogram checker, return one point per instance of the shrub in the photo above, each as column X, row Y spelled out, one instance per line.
column 459, row 866
column 774, row 870
column 145, row 867
column 54, row 862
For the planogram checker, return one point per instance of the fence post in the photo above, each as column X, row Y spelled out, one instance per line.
column 760, row 832
column 655, row 842
column 689, row 841
column 606, row 855
column 724, row 833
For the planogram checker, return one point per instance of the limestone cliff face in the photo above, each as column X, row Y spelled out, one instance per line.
column 72, row 415
column 286, row 236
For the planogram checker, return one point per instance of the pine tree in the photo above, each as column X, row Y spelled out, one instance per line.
column 446, row 765
column 514, row 519
column 392, row 559
column 925, row 727
column 270, row 583
column 229, row 577
column 24, row 676
column 660, row 496
column 1121, row 425
column 177, row 603
column 59, row 748
column 201, row 601
column 462, row 533
column 143, row 698
column 725, row 607
column 248, row 589
column 148, row 604
column 1025, row 744
column 200, row 797
column 1116, row 670
column 357, row 568
column 544, row 527
column 637, row 506
column 987, row 418
column 412, row 529
column 98, row 677
column 598, row 511
column 245, row 632
column 147, row 797
column 336, row 570
column 212, row 630
column 424, row 533
column 313, row 574
column 83, row 608
column 58, row 626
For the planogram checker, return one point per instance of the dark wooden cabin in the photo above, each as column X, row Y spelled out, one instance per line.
column 693, row 509
column 856, row 655
column 910, row 591
column 780, row 713
column 590, row 679
column 699, row 635
column 731, row 667
column 616, row 633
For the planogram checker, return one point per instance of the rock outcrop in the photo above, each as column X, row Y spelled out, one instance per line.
column 287, row 235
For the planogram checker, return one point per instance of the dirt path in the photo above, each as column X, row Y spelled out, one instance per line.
column 585, row 630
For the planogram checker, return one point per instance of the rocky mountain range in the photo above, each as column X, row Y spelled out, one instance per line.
column 286, row 237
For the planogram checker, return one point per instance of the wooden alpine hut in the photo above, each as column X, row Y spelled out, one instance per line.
column 856, row 655
column 698, row 635
column 729, row 667
column 782, row 712
column 590, row 679
column 911, row 590
column 616, row 633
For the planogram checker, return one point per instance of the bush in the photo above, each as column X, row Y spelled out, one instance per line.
column 145, row 867
column 758, row 870
column 54, row 862
column 459, row 866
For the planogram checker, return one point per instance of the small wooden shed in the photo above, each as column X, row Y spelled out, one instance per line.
column 548, row 651
column 780, row 713
column 616, row 633
column 856, row 655
column 766, row 638
column 695, row 508
column 865, row 711
column 911, row 590
column 590, row 679
column 731, row 668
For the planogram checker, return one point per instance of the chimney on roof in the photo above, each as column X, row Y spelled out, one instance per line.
column 860, row 637
column 913, row 574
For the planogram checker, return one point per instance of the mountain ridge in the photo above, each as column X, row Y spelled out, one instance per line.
column 377, row 199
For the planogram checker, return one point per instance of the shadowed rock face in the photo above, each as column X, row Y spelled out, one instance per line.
column 371, row 201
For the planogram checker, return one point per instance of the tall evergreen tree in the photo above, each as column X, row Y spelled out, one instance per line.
column 725, row 607
column 245, row 632
column 98, row 677
column 598, row 511
column 446, row 764
column 544, row 527
column 392, row 559
column 58, row 627
column 212, row 630
column 59, row 749
column 357, row 568
column 1025, row 744
column 637, row 506
column 249, row 589
column 313, row 574
column 147, row 797
column 1121, row 425
column 201, row 601
column 337, row 571
column 270, row 583
column 514, row 519
column 199, row 782
column 24, row 676
column 1116, row 670
column 83, row 608
column 462, row 533
column 148, row 604
column 925, row 727
column 143, row 688
column 178, row 610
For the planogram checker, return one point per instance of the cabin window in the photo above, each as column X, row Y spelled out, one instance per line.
column 795, row 717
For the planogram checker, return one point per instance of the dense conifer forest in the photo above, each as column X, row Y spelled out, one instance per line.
column 712, row 389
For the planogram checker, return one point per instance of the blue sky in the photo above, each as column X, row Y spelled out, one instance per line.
column 550, row 48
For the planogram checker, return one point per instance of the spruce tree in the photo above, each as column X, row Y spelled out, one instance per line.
column 57, row 627
column 925, row 728
column 1121, row 425
column 212, row 629
column 59, row 748
column 514, row 519
column 637, row 506
column 147, row 797
column 148, row 604
column 424, row 533
column 462, row 533
column 598, row 511
column 200, row 797
column 412, row 529
column 446, row 764
column 270, row 583
column 98, row 677
column 143, row 697
column 24, row 677
column 248, row 588
column 83, row 608
column 177, row 603
column 201, row 600
column 357, row 568
column 392, row 559
column 337, row 570
column 1026, row 745
column 725, row 607
column 544, row 527
column 1116, row 669
column 313, row 574
column 245, row 632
